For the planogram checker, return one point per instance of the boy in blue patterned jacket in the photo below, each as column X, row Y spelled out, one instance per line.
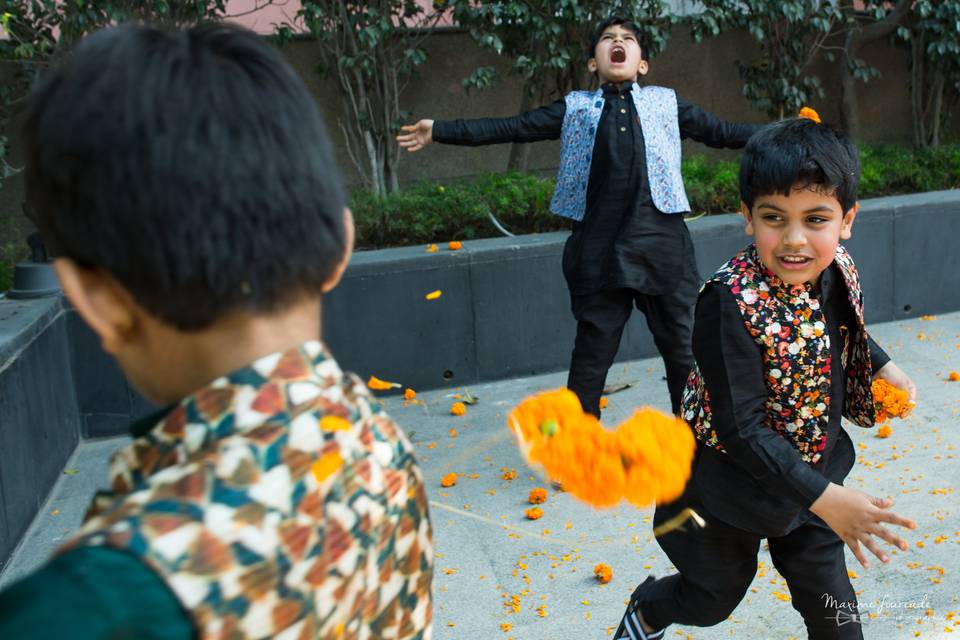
column 619, row 182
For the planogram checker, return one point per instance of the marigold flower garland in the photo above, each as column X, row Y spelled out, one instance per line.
column 645, row 460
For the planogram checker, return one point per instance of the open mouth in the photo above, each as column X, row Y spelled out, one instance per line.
column 794, row 261
column 618, row 54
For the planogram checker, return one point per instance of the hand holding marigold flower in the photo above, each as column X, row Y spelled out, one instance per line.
column 890, row 401
column 534, row 513
column 603, row 573
column 537, row 496
column 458, row 409
column 448, row 480
column 647, row 459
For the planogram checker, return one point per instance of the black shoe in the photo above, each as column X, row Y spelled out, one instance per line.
column 630, row 627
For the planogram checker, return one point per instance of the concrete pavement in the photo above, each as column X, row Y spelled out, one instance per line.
column 490, row 557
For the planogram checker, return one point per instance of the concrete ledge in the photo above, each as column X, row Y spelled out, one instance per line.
column 505, row 308
column 38, row 411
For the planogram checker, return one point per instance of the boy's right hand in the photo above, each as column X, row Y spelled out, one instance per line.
column 856, row 517
column 417, row 136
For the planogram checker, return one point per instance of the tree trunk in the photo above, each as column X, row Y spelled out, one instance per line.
column 916, row 90
column 520, row 151
column 936, row 107
column 849, row 104
column 855, row 40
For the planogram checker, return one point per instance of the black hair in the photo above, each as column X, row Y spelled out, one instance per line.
column 192, row 165
column 799, row 152
column 626, row 23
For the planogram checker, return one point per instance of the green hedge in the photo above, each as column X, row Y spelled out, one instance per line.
column 437, row 212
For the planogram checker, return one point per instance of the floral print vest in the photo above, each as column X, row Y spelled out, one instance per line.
column 278, row 502
column 657, row 109
column 789, row 326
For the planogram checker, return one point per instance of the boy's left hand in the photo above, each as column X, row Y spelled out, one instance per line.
column 896, row 377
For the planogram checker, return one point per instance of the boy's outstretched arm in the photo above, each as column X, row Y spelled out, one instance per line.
column 732, row 368
column 544, row 123
column 416, row 136
column 706, row 128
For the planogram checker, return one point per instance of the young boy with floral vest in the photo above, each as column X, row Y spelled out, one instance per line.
column 782, row 354
column 619, row 182
column 185, row 182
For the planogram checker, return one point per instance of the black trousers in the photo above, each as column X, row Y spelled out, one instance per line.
column 601, row 317
column 716, row 565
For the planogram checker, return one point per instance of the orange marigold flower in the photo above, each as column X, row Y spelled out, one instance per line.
column 458, row 409
column 534, row 513
column 509, row 474
column 954, row 376
column 646, row 460
column 432, row 248
column 448, row 480
column 537, row 496
column 377, row 384
column 604, row 401
column 884, row 431
column 810, row 114
column 603, row 573
column 890, row 401
column 455, row 245
column 409, row 394
column 505, row 626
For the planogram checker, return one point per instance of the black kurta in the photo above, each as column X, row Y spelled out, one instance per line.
column 623, row 241
column 770, row 493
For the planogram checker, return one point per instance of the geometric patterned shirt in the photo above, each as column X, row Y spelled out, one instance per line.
column 278, row 501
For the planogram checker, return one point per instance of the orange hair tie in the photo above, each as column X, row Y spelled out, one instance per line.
column 810, row 114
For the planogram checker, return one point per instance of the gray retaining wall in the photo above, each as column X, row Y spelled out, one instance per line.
column 504, row 312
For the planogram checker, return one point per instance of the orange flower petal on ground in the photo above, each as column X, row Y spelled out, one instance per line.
column 646, row 460
column 377, row 384
column 448, row 480
column 884, row 431
column 537, row 496
column 534, row 513
column 603, row 573
column 409, row 394
column 954, row 376
column 433, row 295
column 458, row 409
column 455, row 245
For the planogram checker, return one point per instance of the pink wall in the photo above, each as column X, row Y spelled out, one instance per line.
column 261, row 17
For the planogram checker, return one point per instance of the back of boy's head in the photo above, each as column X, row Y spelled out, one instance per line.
column 626, row 23
column 191, row 165
column 799, row 152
